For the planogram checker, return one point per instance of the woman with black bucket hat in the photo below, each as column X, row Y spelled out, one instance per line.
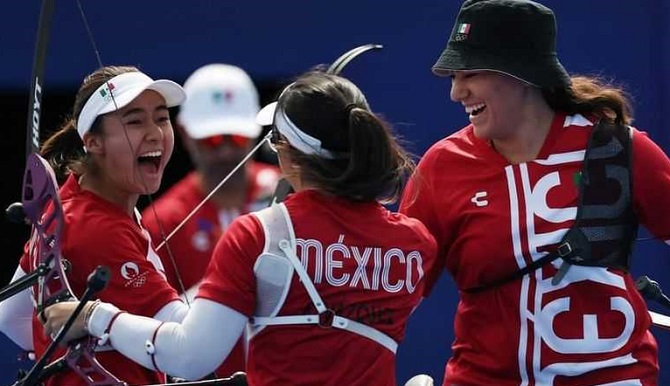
column 535, row 206
column 325, row 280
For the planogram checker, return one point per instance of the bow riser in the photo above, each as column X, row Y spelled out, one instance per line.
column 44, row 210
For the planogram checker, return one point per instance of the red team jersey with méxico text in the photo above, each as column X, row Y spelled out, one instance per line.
column 356, row 255
column 97, row 232
column 491, row 218
column 193, row 244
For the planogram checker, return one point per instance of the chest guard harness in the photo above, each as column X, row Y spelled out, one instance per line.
column 274, row 270
column 606, row 226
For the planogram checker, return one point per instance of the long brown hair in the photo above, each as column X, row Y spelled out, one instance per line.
column 592, row 96
column 64, row 149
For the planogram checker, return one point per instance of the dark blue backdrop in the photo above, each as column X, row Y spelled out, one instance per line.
column 623, row 39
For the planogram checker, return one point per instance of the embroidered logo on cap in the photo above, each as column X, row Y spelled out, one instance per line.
column 106, row 92
column 462, row 32
column 226, row 96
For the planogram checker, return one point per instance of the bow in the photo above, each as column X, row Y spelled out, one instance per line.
column 42, row 208
column 651, row 290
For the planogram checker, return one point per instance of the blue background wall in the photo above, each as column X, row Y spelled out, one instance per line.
column 623, row 39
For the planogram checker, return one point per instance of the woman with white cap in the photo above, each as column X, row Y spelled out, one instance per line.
column 113, row 149
column 325, row 280
column 535, row 206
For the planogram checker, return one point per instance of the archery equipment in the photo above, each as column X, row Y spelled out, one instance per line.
column 97, row 280
column 651, row 290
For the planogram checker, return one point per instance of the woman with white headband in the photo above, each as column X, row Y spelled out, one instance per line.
column 325, row 281
column 113, row 149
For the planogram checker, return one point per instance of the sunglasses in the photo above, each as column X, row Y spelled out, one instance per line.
column 275, row 138
column 238, row 141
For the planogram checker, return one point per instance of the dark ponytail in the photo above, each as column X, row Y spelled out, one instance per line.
column 378, row 166
column 371, row 164
column 64, row 150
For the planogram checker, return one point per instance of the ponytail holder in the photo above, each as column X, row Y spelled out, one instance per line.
column 350, row 107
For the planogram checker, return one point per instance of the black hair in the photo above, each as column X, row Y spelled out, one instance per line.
column 369, row 162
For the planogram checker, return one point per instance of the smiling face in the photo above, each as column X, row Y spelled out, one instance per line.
column 134, row 147
column 493, row 101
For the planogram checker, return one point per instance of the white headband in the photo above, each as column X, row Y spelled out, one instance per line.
column 299, row 139
column 122, row 89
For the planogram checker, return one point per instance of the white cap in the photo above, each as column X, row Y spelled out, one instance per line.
column 266, row 116
column 222, row 99
column 122, row 89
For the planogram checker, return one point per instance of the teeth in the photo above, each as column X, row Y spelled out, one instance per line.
column 156, row 153
column 471, row 108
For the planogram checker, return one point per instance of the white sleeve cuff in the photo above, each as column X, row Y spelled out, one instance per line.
column 100, row 318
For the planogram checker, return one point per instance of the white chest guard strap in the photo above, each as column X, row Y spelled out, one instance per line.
column 274, row 269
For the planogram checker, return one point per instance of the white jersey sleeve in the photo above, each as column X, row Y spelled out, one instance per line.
column 16, row 315
column 190, row 349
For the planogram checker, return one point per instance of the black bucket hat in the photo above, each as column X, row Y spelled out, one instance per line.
column 515, row 37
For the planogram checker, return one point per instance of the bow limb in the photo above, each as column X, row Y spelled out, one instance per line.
column 37, row 78
column 660, row 320
column 344, row 59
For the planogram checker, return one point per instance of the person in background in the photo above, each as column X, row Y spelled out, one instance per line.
column 326, row 280
column 536, row 239
column 113, row 149
column 217, row 127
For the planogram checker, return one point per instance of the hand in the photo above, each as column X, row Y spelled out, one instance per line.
column 56, row 316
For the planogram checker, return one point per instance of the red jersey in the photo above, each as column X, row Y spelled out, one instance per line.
column 193, row 244
column 356, row 254
column 491, row 218
column 97, row 232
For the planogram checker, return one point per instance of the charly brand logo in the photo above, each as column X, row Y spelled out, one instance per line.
column 131, row 272
column 479, row 199
column 462, row 32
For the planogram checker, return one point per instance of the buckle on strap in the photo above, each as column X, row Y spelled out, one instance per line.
column 564, row 249
column 327, row 319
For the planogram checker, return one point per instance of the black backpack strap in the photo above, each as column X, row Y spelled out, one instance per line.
column 605, row 226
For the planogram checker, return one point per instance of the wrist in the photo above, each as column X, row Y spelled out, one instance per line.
column 90, row 307
column 101, row 316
